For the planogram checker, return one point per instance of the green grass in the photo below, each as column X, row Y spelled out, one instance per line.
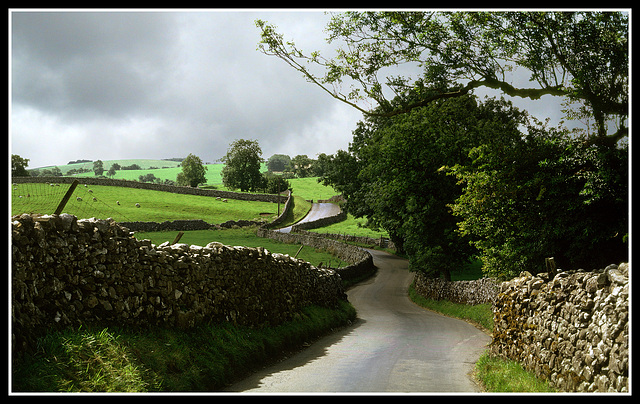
column 351, row 226
column 505, row 376
column 469, row 272
column 145, row 164
column 213, row 174
column 245, row 236
column 156, row 206
column 480, row 314
column 300, row 208
column 206, row 358
column 310, row 189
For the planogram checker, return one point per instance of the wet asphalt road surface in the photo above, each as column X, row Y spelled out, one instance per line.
column 394, row 346
column 318, row 211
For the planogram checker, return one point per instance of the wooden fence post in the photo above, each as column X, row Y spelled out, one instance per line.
column 66, row 197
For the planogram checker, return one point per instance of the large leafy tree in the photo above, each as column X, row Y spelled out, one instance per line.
column 243, row 162
column 193, row 172
column 522, row 196
column 395, row 175
column 544, row 194
column 19, row 166
column 581, row 56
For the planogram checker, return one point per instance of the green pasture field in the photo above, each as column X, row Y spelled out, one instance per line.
column 351, row 226
column 310, row 189
column 213, row 173
column 155, row 206
column 247, row 237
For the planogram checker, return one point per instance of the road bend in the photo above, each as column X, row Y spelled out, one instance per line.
column 393, row 346
column 317, row 211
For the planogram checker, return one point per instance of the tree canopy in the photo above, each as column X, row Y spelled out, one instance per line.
column 242, row 169
column 449, row 176
column 580, row 56
column 193, row 171
column 19, row 166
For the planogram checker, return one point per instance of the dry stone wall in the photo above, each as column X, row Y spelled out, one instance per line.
column 186, row 225
column 157, row 187
column 348, row 238
column 360, row 259
column 322, row 222
column 67, row 272
column 479, row 291
column 570, row 328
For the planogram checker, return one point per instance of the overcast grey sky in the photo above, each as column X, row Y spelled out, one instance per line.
column 116, row 85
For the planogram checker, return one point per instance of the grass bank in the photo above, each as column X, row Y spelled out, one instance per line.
column 206, row 358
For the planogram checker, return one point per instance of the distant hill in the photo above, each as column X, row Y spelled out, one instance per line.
column 162, row 169
column 85, row 164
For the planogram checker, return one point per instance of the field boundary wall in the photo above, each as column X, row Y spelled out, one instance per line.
column 570, row 328
column 360, row 259
column 322, row 222
column 68, row 272
column 379, row 242
column 156, row 187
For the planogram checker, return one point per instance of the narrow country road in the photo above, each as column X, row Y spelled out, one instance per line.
column 394, row 346
column 318, row 211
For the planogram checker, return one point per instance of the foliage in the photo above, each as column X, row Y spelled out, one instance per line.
column 393, row 175
column 301, row 166
column 146, row 178
column 193, row 172
column 242, row 170
column 19, row 166
column 273, row 183
column 98, row 167
column 580, row 56
column 544, row 194
column 278, row 162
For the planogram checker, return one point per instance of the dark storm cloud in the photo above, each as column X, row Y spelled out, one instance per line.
column 90, row 63
column 161, row 84
column 164, row 84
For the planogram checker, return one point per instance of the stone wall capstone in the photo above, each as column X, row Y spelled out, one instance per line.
column 67, row 272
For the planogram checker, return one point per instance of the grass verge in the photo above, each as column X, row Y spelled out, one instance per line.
column 206, row 358
column 505, row 376
column 299, row 209
column 480, row 314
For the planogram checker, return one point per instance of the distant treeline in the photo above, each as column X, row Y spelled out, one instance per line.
column 80, row 161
